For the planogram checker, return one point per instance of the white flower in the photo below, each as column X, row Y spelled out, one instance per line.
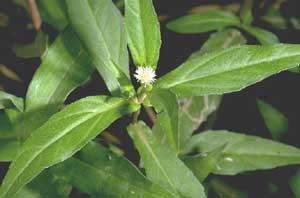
column 145, row 75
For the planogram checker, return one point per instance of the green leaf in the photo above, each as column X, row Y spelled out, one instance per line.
column 195, row 109
column 194, row 112
column 7, row 101
column 263, row 36
column 275, row 18
column 8, row 149
column 225, row 190
column 162, row 165
column 244, row 152
column 22, row 3
column 221, row 40
column 143, row 32
column 61, row 136
column 295, row 22
column 46, row 185
column 10, row 74
column 295, row 70
column 166, row 126
column 248, row 18
column 5, row 126
column 294, row 183
column 229, row 70
column 66, row 66
column 204, row 22
column 246, row 12
column 54, row 13
column 275, row 121
column 99, row 25
column 4, row 20
column 32, row 50
column 203, row 164
column 112, row 175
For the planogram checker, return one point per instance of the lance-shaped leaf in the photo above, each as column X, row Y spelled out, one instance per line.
column 275, row 121
column 8, row 100
column 244, row 152
column 61, row 136
column 204, row 22
column 99, row 25
column 54, row 13
column 10, row 74
column 166, row 127
column 263, row 36
column 143, row 32
column 162, row 165
column 230, row 70
column 65, row 67
column 112, row 175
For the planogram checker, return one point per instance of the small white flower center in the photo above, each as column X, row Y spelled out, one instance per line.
column 145, row 75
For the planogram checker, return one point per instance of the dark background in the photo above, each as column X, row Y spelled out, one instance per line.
column 238, row 111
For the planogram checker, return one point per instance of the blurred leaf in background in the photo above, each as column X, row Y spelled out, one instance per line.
column 295, row 184
column 4, row 19
column 275, row 18
column 33, row 50
column 224, row 190
column 275, row 121
column 10, row 74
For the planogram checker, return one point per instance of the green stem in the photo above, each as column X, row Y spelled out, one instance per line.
column 150, row 113
column 135, row 117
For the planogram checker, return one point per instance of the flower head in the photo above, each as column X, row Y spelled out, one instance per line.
column 145, row 75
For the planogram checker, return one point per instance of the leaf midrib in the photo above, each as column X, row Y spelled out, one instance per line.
column 199, row 22
column 144, row 140
column 263, row 155
column 101, row 33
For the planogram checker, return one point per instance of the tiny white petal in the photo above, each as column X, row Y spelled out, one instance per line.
column 145, row 75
